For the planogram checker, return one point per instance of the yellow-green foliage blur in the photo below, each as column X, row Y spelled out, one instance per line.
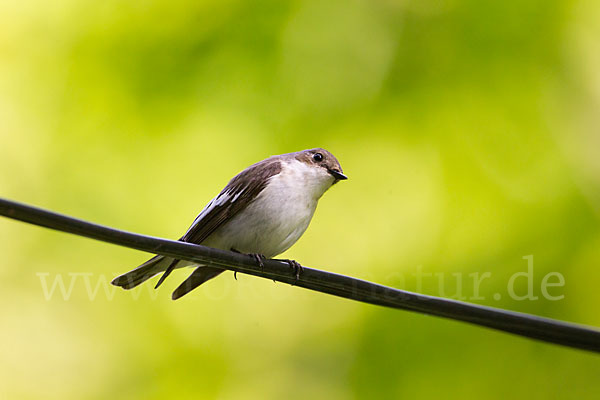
column 470, row 133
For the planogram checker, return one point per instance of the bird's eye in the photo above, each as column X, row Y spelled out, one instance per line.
column 318, row 157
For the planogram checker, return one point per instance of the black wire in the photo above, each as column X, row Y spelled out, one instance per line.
column 544, row 329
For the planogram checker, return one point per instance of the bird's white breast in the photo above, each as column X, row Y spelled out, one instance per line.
column 279, row 215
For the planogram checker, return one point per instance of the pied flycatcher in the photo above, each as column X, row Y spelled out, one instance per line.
column 262, row 211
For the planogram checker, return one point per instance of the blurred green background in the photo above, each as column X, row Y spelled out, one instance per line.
column 470, row 133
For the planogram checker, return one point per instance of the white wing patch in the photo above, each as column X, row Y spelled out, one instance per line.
column 222, row 198
column 238, row 194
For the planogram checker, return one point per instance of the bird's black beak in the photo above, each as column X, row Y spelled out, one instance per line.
column 337, row 174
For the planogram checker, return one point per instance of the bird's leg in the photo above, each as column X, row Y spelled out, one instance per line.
column 295, row 265
column 257, row 256
column 259, row 259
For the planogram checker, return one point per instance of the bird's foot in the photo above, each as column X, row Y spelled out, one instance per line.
column 259, row 259
column 295, row 265
column 257, row 256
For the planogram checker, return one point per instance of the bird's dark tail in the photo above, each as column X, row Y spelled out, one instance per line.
column 147, row 270
column 197, row 278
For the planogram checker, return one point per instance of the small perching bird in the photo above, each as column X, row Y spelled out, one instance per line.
column 262, row 211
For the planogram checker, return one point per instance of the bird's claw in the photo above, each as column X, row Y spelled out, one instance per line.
column 259, row 259
column 257, row 256
column 295, row 265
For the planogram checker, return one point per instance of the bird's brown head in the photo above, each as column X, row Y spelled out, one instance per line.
column 322, row 158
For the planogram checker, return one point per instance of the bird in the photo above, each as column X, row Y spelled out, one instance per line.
column 262, row 212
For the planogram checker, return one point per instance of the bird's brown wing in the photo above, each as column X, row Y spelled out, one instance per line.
column 236, row 196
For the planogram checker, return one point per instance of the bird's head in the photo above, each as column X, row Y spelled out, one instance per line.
column 319, row 170
column 322, row 161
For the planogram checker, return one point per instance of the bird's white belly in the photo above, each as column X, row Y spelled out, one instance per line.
column 272, row 223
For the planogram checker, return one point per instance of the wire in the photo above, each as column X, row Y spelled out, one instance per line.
column 535, row 327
